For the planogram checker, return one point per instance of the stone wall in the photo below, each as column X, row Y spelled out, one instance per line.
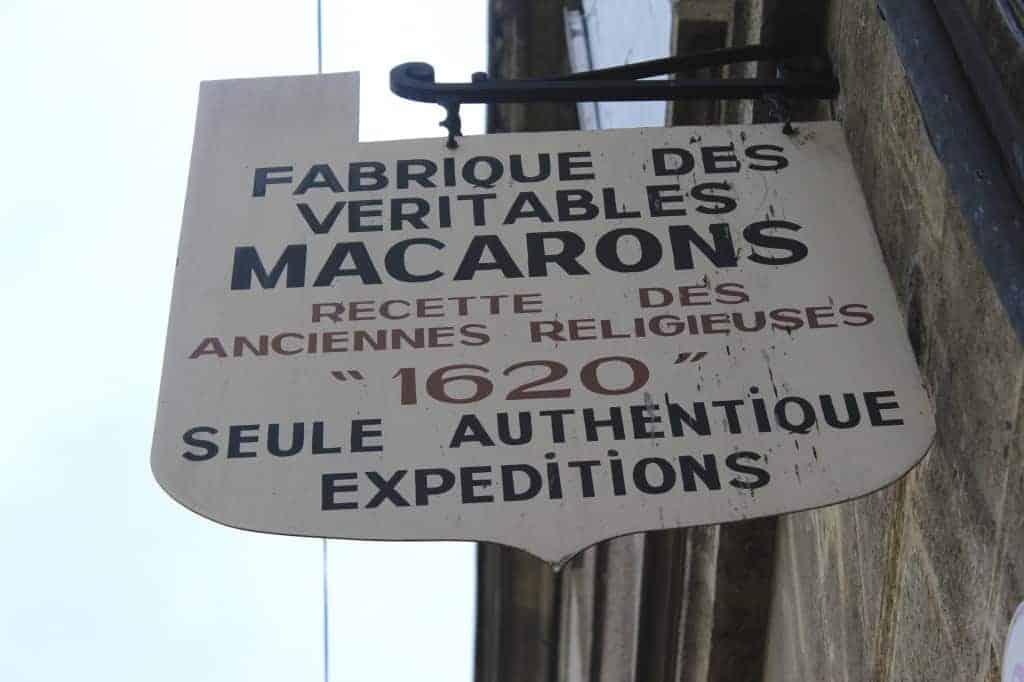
column 919, row 581
column 916, row 582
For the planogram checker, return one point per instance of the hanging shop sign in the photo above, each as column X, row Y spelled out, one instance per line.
column 543, row 340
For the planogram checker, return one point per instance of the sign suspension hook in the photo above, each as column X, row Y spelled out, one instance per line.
column 798, row 76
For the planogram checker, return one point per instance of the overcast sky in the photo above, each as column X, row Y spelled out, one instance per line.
column 102, row 576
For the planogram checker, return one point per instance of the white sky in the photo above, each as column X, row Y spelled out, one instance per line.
column 102, row 576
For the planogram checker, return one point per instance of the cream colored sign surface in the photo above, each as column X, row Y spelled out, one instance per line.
column 543, row 340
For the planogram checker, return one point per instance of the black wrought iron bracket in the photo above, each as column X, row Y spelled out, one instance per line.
column 798, row 76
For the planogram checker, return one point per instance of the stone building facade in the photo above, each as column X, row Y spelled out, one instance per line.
column 917, row 581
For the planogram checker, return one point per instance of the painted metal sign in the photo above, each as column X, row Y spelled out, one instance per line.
column 543, row 340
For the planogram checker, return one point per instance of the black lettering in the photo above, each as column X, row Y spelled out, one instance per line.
column 405, row 174
column 494, row 167
column 470, row 430
column 274, row 440
column 247, row 263
column 319, row 175
column 566, row 258
column 756, row 235
column 684, row 238
column 420, row 208
column 526, row 205
column 828, row 412
column 239, row 435
column 677, row 416
column 872, row 401
column 361, row 431
column 209, row 447
column 505, row 432
column 543, row 168
column 424, row 489
column 479, row 212
column 386, row 489
column 316, row 224
column 720, row 159
column 330, row 487
column 397, row 267
column 607, row 251
column 320, row 446
column 568, row 162
column 735, row 463
column 642, row 416
column 362, row 265
column 557, row 418
column 643, row 481
column 774, row 162
column 585, row 468
column 508, row 482
column 358, row 211
column 262, row 177
column 690, row 470
column 661, row 158
column 471, row 262
column 611, row 206
column 469, row 481
column 808, row 418
column 659, row 195
column 366, row 176
column 575, row 204
column 591, row 423
column 731, row 417
column 705, row 192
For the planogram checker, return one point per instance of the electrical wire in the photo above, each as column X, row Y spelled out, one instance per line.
column 326, row 641
column 327, row 650
column 320, row 70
